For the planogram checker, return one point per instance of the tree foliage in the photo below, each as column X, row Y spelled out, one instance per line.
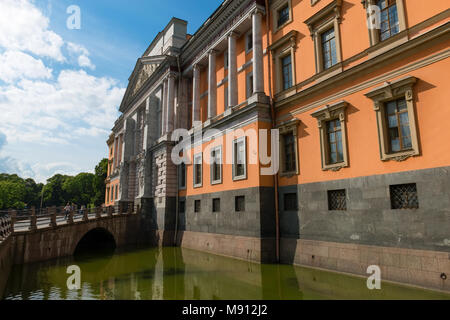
column 82, row 189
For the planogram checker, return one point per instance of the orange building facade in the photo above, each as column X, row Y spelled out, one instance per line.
column 313, row 132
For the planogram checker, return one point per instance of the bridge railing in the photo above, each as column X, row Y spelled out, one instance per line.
column 6, row 228
column 31, row 219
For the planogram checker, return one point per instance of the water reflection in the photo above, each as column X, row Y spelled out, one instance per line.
column 175, row 273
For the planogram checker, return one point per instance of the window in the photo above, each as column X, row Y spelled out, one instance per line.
column 216, row 205
column 394, row 107
column 283, row 51
column 239, row 203
column 283, row 15
column 239, row 159
column 117, row 193
column 404, row 196
column 108, row 190
column 112, row 194
column 333, row 140
column 386, row 18
column 248, row 42
column 324, row 29
column 288, row 147
column 334, row 132
column 289, row 151
column 197, row 206
column 225, row 59
column 249, row 84
column 329, row 58
column 399, row 134
column 337, row 200
column 389, row 24
column 286, row 65
column 290, row 202
column 182, row 206
column 225, row 97
column 198, row 159
column 182, row 175
column 216, row 165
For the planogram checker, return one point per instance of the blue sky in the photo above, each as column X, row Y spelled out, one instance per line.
column 60, row 88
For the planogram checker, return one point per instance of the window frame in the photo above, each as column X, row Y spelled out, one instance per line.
column 276, row 8
column 335, row 111
column 287, row 45
column 287, row 128
column 249, row 84
column 390, row 91
column 219, row 181
column 180, row 173
column 194, row 170
column 325, row 19
column 329, row 192
column 374, row 34
column 235, row 142
column 248, row 35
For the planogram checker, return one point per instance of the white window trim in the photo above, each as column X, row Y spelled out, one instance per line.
column 243, row 176
column 391, row 91
column 374, row 34
column 290, row 126
column 219, row 150
column 280, row 49
column 275, row 8
column 196, row 157
column 328, row 113
column 327, row 18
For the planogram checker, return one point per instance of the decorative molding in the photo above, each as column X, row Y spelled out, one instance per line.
column 333, row 9
column 323, row 115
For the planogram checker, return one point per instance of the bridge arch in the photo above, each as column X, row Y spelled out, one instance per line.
column 94, row 241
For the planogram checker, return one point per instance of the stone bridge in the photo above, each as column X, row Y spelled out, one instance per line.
column 53, row 234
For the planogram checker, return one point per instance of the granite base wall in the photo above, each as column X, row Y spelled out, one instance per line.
column 422, row 268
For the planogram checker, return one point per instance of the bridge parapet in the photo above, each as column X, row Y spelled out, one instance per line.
column 5, row 226
column 53, row 217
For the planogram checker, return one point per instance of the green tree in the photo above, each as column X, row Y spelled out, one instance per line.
column 101, row 170
column 54, row 194
column 80, row 189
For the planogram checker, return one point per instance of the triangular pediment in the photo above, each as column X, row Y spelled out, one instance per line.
column 143, row 70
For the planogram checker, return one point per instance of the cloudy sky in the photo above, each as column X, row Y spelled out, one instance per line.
column 60, row 88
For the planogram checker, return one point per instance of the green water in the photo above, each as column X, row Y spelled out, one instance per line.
column 176, row 273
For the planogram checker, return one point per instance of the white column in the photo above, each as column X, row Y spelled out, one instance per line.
column 258, row 76
column 164, row 108
column 212, row 85
column 170, row 103
column 232, row 70
column 196, row 95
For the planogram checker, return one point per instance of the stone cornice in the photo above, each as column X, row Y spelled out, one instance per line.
column 440, row 32
column 218, row 25
column 334, row 8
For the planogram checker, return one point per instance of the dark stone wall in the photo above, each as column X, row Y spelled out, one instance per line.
column 258, row 219
column 369, row 218
column 6, row 262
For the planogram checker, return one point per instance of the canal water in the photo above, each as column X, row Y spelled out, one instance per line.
column 176, row 273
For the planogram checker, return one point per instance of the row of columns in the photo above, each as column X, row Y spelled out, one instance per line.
column 258, row 76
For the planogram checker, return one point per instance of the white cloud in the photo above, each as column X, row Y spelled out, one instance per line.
column 42, row 112
column 18, row 65
column 48, row 109
column 23, row 27
column 82, row 53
